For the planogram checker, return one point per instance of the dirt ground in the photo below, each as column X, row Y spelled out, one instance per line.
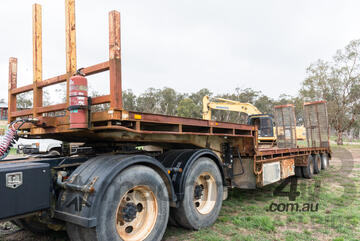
column 244, row 216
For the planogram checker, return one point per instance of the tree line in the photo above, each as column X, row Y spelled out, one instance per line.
column 167, row 101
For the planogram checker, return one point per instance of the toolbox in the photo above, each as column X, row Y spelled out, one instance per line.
column 24, row 188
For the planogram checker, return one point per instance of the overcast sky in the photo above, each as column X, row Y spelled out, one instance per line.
column 186, row 45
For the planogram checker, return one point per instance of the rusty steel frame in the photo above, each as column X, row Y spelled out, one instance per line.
column 317, row 115
column 276, row 154
column 38, row 84
column 134, row 122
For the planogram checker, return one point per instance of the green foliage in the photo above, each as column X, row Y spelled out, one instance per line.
column 338, row 82
column 24, row 100
column 129, row 100
column 187, row 108
column 169, row 102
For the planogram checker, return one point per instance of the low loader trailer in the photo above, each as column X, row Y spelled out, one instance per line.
column 135, row 172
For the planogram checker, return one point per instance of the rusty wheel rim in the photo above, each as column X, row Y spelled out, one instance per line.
column 205, row 193
column 326, row 161
column 136, row 214
column 311, row 167
column 319, row 163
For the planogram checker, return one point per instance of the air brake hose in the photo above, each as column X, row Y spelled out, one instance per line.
column 10, row 137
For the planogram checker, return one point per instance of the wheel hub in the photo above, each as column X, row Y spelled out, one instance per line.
column 204, row 193
column 136, row 213
column 129, row 212
column 198, row 191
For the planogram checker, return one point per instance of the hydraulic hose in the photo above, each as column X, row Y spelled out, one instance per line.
column 10, row 137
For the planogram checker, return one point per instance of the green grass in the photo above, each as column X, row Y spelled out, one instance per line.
column 13, row 151
column 304, row 235
column 348, row 146
column 259, row 222
column 334, row 138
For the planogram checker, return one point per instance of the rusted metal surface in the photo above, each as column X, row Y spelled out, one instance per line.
column 115, row 61
column 22, row 89
column 102, row 121
column 285, row 125
column 287, row 167
column 21, row 113
column 12, row 84
column 315, row 102
column 51, row 108
column 115, row 119
column 97, row 68
column 86, row 188
column 94, row 69
column 301, row 160
column 316, row 124
column 70, row 29
column 37, row 58
column 271, row 151
column 100, row 99
column 53, row 81
column 278, row 154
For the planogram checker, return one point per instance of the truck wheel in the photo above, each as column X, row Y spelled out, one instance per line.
column 308, row 171
column 55, row 152
column 298, row 172
column 317, row 163
column 324, row 161
column 134, row 207
column 203, row 195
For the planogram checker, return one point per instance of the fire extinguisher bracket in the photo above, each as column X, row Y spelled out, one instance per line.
column 76, row 107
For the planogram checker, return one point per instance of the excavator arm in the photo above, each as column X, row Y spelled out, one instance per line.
column 230, row 105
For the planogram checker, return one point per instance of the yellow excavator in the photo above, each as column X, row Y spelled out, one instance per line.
column 264, row 122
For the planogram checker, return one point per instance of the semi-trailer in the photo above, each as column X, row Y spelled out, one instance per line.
column 136, row 171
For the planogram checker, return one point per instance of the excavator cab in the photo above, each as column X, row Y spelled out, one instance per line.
column 265, row 126
column 264, row 122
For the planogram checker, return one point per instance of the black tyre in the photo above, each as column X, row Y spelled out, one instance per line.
column 54, row 153
column 203, row 195
column 298, row 172
column 308, row 171
column 317, row 163
column 325, row 163
column 134, row 207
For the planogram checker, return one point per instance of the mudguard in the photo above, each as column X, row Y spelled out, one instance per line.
column 180, row 162
column 81, row 207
